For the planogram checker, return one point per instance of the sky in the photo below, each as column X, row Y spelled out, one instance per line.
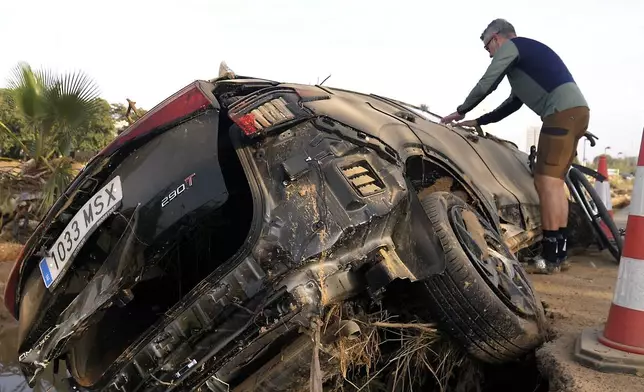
column 415, row 51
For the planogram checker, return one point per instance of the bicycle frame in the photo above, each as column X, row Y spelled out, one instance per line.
column 573, row 191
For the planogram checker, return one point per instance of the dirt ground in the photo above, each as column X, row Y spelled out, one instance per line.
column 8, row 253
column 576, row 299
column 8, row 347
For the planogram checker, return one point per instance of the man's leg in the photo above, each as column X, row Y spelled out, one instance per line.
column 550, row 191
column 562, row 246
column 558, row 141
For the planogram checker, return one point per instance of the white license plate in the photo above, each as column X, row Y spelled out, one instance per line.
column 86, row 220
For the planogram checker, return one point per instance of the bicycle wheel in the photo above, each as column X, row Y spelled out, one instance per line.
column 588, row 197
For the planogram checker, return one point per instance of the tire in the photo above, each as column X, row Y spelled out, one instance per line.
column 466, row 304
column 579, row 182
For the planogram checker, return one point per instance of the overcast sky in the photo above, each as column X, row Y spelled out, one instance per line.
column 417, row 51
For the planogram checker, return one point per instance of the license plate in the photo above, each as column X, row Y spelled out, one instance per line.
column 86, row 220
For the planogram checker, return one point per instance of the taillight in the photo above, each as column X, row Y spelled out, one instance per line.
column 182, row 104
column 10, row 288
column 266, row 110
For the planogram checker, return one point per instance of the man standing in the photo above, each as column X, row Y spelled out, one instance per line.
column 540, row 80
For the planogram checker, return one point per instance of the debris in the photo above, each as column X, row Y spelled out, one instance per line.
column 399, row 356
column 316, row 371
column 443, row 184
column 476, row 231
column 429, row 328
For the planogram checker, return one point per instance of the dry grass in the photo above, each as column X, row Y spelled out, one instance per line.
column 621, row 201
column 621, row 191
column 619, row 184
column 9, row 251
column 397, row 356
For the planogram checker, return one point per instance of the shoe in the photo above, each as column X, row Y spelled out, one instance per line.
column 537, row 266
column 565, row 265
column 553, row 268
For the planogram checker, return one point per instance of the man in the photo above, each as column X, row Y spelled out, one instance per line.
column 540, row 80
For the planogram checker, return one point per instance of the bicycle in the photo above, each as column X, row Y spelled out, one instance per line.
column 591, row 204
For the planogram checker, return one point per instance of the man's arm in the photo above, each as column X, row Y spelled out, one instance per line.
column 509, row 106
column 503, row 59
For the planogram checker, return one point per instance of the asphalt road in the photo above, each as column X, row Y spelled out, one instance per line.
column 620, row 217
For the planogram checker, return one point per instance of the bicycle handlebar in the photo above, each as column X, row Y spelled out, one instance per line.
column 591, row 138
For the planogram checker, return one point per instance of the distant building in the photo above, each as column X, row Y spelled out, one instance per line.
column 531, row 137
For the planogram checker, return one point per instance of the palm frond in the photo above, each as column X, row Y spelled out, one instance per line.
column 28, row 91
column 72, row 100
column 13, row 136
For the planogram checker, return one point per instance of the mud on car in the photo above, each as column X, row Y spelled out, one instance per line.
column 202, row 247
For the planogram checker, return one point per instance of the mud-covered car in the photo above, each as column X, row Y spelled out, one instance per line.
column 201, row 249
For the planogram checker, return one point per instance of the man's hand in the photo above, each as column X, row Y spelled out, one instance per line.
column 452, row 117
column 467, row 123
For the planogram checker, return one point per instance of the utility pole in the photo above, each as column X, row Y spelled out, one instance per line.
column 585, row 140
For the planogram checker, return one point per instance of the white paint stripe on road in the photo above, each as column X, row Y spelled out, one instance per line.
column 637, row 199
column 629, row 292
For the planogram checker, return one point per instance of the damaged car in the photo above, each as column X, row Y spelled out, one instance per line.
column 205, row 247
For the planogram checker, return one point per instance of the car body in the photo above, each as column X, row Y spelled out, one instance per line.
column 185, row 255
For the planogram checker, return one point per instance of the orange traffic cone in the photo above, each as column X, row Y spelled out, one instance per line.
column 603, row 190
column 620, row 347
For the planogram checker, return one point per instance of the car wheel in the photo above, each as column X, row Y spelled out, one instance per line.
column 483, row 299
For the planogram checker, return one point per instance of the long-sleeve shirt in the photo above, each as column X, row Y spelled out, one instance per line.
column 537, row 75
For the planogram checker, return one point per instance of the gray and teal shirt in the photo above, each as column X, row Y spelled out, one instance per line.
column 537, row 75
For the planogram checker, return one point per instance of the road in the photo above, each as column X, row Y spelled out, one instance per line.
column 578, row 299
column 620, row 217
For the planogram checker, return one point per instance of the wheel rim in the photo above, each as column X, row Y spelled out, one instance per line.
column 590, row 203
column 500, row 270
column 597, row 216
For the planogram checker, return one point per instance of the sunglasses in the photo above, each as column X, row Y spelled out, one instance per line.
column 487, row 44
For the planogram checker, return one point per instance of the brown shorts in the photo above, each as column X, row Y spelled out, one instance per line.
column 558, row 140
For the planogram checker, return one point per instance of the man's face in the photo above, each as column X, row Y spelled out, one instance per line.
column 492, row 44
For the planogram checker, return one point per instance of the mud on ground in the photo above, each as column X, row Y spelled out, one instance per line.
column 576, row 299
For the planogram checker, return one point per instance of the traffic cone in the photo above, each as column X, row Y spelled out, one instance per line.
column 620, row 347
column 603, row 190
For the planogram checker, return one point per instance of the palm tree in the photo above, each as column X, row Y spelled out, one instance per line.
column 55, row 107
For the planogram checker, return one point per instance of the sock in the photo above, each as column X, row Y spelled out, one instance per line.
column 562, row 244
column 549, row 245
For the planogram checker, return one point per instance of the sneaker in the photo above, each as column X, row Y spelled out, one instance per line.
column 537, row 266
column 565, row 264
column 553, row 268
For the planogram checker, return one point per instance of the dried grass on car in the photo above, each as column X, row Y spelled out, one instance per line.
column 400, row 356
